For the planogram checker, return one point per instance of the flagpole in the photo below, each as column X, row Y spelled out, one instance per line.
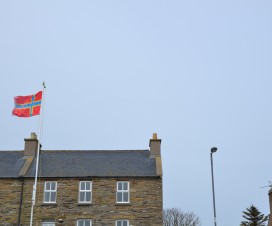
column 38, row 158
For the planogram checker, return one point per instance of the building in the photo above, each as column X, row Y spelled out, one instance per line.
column 82, row 188
column 270, row 207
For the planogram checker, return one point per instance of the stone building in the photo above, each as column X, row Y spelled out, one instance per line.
column 82, row 188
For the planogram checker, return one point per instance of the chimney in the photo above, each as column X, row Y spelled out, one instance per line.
column 155, row 146
column 270, row 204
column 155, row 152
column 31, row 145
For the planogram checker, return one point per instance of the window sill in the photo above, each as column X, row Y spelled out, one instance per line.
column 84, row 204
column 122, row 204
column 49, row 204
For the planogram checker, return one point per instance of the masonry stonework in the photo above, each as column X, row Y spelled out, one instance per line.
column 145, row 206
column 10, row 191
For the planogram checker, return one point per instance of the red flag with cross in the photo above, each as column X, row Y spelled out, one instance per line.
column 27, row 106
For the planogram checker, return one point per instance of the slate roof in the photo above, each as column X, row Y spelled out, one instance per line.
column 11, row 163
column 119, row 163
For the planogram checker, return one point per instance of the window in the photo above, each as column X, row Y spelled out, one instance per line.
column 48, row 223
column 122, row 223
column 122, row 194
column 50, row 192
column 85, row 192
column 84, row 222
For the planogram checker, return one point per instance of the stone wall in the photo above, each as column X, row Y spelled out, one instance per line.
column 145, row 208
column 10, row 190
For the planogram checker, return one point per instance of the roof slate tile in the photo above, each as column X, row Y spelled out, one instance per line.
column 119, row 163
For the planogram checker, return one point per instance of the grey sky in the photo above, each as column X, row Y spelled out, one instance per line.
column 198, row 73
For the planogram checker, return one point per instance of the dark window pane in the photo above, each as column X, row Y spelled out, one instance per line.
column 119, row 186
column 125, row 186
column 82, row 196
column 119, row 197
column 82, row 185
column 87, row 223
column 53, row 186
column 88, row 186
column 125, row 223
column 80, row 223
column 47, row 186
column 119, row 223
column 46, row 197
column 88, row 196
column 53, row 197
column 125, row 196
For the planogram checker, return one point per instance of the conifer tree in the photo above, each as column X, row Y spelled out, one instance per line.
column 254, row 217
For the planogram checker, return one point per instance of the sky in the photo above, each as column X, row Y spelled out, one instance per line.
column 197, row 73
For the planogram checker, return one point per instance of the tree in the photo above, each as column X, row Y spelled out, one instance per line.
column 254, row 217
column 176, row 217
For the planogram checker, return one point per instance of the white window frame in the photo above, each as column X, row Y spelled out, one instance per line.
column 78, row 221
column 122, row 191
column 49, row 223
column 85, row 191
column 122, row 222
column 50, row 191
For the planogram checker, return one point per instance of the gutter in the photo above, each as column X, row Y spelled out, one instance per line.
column 21, row 201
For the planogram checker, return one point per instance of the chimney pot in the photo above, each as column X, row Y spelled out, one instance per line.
column 155, row 136
column 33, row 135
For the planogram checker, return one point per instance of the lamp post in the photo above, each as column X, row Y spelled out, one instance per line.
column 213, row 150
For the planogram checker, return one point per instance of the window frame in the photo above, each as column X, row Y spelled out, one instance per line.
column 85, row 191
column 78, row 220
column 49, row 223
column 122, row 192
column 50, row 192
column 122, row 221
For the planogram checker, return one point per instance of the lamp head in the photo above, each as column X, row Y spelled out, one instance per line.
column 214, row 149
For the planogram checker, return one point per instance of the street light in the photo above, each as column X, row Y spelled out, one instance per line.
column 213, row 150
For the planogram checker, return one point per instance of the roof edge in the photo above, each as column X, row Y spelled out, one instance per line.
column 71, row 177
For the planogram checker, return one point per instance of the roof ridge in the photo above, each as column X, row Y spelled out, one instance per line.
column 11, row 151
column 124, row 150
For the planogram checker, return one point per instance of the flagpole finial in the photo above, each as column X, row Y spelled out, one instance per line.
column 43, row 84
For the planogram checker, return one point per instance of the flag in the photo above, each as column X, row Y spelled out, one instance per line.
column 27, row 106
